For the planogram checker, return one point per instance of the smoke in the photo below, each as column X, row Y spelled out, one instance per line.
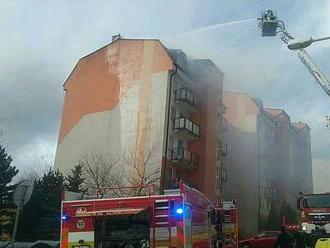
column 321, row 174
column 265, row 68
column 42, row 41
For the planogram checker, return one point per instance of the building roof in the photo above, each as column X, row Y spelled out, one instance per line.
column 299, row 125
column 271, row 113
column 113, row 41
column 274, row 112
column 178, row 57
column 256, row 101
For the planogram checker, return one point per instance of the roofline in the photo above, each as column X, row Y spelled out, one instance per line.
column 267, row 115
column 299, row 123
column 260, row 109
column 282, row 112
column 213, row 64
column 275, row 109
column 112, row 42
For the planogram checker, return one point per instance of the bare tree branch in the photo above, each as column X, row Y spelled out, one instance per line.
column 143, row 172
column 137, row 171
column 99, row 172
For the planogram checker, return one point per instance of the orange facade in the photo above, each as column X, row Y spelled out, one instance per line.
column 98, row 79
column 127, row 84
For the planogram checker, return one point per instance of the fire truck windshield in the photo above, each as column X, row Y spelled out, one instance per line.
column 317, row 201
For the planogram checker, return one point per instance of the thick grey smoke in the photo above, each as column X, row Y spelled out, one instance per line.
column 42, row 41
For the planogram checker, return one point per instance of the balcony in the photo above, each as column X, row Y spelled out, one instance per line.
column 184, row 159
column 187, row 100
column 186, row 128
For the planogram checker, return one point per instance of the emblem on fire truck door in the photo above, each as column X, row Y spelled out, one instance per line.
column 81, row 211
column 80, row 224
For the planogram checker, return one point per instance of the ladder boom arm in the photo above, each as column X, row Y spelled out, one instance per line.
column 314, row 70
column 269, row 24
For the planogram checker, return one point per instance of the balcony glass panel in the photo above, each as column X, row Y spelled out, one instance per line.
column 187, row 96
column 186, row 124
column 184, row 157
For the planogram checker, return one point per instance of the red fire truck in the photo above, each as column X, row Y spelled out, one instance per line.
column 315, row 218
column 178, row 218
column 315, row 213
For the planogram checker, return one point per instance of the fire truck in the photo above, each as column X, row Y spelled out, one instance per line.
column 315, row 215
column 182, row 217
column 314, row 219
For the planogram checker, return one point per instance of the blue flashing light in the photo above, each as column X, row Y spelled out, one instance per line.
column 179, row 210
column 65, row 217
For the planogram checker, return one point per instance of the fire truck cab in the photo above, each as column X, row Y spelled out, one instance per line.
column 315, row 213
column 179, row 218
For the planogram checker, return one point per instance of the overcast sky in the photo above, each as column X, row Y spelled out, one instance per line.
column 41, row 41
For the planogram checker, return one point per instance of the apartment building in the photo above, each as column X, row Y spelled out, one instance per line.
column 135, row 96
column 268, row 161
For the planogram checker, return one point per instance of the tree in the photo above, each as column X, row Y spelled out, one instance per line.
column 7, row 210
column 7, row 173
column 99, row 172
column 141, row 172
column 75, row 180
column 136, row 173
column 40, row 218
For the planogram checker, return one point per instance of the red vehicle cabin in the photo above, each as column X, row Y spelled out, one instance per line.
column 177, row 219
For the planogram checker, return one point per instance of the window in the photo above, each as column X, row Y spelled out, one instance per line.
column 224, row 174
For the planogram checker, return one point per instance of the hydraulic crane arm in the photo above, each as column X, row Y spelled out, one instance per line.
column 314, row 70
column 269, row 23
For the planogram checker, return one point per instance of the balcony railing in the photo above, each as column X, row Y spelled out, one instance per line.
column 184, row 159
column 186, row 127
column 187, row 99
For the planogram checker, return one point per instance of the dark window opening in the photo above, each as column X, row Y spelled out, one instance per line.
column 122, row 231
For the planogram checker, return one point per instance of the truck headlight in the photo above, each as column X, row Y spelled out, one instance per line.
column 306, row 227
column 327, row 227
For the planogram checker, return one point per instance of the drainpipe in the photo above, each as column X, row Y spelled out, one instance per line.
column 162, row 174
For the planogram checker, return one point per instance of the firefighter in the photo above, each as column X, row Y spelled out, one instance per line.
column 284, row 239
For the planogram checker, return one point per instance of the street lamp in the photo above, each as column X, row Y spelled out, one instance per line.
column 301, row 44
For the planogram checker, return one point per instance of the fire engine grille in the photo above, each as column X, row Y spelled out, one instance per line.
column 319, row 217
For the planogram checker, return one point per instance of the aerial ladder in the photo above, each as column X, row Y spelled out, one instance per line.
column 270, row 26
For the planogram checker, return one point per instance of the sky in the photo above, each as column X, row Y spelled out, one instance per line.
column 41, row 41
